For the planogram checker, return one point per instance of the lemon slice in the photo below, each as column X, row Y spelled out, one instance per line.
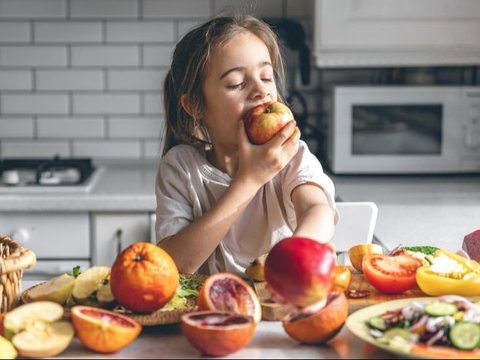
column 57, row 289
column 92, row 283
column 43, row 339
column 19, row 318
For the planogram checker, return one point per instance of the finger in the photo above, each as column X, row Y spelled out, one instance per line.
column 291, row 146
column 294, row 138
column 296, row 135
column 284, row 134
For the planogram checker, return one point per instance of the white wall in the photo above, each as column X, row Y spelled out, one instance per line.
column 84, row 77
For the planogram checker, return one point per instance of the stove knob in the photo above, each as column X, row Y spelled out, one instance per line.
column 20, row 235
column 10, row 177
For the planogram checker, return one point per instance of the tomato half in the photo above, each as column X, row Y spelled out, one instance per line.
column 391, row 274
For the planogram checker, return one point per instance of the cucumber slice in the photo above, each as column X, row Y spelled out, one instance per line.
column 399, row 339
column 377, row 322
column 440, row 308
column 465, row 335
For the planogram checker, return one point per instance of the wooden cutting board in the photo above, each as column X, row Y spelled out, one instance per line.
column 275, row 312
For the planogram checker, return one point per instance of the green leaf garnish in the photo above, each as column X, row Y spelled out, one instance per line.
column 76, row 271
column 187, row 286
column 427, row 250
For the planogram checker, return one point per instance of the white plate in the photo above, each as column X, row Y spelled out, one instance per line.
column 357, row 324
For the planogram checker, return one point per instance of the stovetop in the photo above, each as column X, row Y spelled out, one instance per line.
column 51, row 175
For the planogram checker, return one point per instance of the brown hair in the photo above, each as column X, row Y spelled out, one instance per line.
column 190, row 60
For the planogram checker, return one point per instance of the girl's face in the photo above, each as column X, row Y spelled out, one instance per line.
column 239, row 77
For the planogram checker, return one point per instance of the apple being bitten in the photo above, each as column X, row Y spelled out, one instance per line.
column 265, row 120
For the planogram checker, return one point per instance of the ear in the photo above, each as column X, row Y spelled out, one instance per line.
column 186, row 105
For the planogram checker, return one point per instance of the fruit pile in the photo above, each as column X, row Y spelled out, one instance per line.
column 299, row 272
column 144, row 278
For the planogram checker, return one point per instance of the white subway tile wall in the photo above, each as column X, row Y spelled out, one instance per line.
column 84, row 77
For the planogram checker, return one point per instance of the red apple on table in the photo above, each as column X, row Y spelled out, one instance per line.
column 298, row 271
column 265, row 120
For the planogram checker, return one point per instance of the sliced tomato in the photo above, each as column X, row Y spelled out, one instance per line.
column 391, row 274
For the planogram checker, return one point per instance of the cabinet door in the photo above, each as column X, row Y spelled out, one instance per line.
column 113, row 232
column 396, row 33
column 50, row 235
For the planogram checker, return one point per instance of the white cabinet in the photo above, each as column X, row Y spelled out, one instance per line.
column 354, row 33
column 113, row 232
column 59, row 240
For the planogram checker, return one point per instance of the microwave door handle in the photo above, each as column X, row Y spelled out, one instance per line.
column 118, row 241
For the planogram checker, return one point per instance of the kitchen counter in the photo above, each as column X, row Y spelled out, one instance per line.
column 418, row 210
column 120, row 187
column 269, row 341
column 413, row 210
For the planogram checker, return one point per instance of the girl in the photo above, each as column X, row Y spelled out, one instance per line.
column 222, row 201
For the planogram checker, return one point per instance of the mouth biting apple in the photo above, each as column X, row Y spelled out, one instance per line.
column 263, row 121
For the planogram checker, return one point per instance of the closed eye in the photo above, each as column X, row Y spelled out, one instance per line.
column 236, row 86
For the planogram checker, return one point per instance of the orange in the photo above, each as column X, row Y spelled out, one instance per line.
column 102, row 330
column 341, row 278
column 228, row 292
column 143, row 277
column 321, row 326
column 217, row 333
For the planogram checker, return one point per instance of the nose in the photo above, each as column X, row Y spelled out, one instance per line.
column 260, row 90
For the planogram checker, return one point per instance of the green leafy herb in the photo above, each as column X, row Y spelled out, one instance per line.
column 76, row 271
column 427, row 250
column 187, row 286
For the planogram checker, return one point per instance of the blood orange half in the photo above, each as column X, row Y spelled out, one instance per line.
column 102, row 330
column 228, row 292
column 218, row 333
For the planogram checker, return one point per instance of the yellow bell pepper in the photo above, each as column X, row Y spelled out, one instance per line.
column 449, row 274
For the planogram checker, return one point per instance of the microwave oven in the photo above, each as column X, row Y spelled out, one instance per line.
column 404, row 130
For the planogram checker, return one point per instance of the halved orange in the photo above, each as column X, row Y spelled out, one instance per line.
column 102, row 330
column 229, row 292
column 218, row 333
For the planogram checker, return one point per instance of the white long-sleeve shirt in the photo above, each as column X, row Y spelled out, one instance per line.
column 187, row 186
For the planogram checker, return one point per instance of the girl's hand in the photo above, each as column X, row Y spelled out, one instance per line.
column 260, row 163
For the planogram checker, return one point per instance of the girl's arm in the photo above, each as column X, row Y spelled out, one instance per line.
column 315, row 217
column 192, row 245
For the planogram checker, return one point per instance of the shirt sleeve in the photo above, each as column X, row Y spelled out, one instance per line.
column 305, row 168
column 172, row 189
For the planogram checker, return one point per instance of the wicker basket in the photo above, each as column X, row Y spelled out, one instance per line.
column 14, row 258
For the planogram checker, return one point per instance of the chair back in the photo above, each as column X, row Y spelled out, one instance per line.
column 356, row 224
